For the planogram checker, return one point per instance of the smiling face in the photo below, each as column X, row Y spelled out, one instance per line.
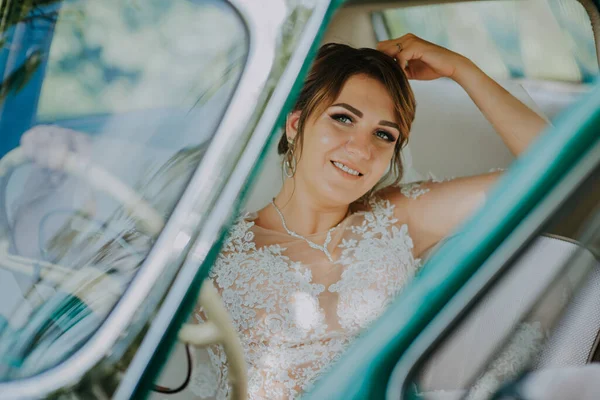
column 348, row 146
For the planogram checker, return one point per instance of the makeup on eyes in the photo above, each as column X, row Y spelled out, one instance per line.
column 389, row 137
column 340, row 117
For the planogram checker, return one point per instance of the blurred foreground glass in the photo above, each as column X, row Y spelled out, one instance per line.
column 147, row 82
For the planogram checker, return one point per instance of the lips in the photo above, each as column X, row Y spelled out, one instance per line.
column 347, row 168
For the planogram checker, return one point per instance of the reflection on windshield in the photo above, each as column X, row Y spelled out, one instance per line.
column 118, row 101
column 117, row 56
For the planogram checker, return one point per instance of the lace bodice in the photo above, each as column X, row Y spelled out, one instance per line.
column 295, row 311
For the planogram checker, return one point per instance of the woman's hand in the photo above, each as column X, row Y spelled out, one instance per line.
column 516, row 124
column 422, row 60
column 49, row 145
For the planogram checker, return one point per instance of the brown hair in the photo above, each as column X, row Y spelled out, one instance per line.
column 333, row 66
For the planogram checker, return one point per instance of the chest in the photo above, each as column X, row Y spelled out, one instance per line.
column 293, row 293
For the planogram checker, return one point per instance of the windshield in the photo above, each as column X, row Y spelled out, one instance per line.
column 106, row 109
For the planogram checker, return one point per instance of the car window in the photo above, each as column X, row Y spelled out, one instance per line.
column 534, row 39
column 541, row 313
column 134, row 92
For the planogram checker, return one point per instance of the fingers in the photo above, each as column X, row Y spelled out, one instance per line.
column 402, row 49
column 390, row 47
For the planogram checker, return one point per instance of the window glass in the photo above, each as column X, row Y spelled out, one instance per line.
column 534, row 39
column 118, row 56
column 124, row 97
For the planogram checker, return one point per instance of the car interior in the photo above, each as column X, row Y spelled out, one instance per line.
column 544, row 52
column 450, row 138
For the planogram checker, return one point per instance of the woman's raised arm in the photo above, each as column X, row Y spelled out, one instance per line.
column 434, row 209
column 516, row 123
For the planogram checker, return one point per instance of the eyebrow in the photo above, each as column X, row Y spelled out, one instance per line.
column 390, row 124
column 349, row 108
column 360, row 114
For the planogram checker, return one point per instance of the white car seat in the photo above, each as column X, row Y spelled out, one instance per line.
column 467, row 351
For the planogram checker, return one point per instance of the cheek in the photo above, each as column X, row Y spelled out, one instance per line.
column 329, row 136
column 322, row 140
column 382, row 164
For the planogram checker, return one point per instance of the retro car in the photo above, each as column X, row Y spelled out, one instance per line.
column 185, row 101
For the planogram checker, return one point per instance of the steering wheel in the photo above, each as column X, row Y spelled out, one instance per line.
column 106, row 289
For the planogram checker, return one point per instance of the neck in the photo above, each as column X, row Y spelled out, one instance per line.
column 304, row 214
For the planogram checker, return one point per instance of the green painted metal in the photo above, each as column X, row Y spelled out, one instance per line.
column 364, row 371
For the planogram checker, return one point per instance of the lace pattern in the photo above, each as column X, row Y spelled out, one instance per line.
column 366, row 288
column 525, row 344
column 435, row 179
column 413, row 190
column 295, row 311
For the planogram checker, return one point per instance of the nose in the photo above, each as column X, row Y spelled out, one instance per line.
column 359, row 146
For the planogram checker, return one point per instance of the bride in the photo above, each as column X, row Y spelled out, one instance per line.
column 302, row 277
column 306, row 274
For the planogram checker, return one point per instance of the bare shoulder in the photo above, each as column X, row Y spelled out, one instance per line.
column 434, row 208
column 405, row 196
column 428, row 194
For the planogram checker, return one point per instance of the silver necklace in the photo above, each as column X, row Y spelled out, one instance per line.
column 309, row 242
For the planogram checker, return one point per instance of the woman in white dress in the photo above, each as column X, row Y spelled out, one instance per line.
column 305, row 275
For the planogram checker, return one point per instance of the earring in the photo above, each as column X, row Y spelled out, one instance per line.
column 289, row 161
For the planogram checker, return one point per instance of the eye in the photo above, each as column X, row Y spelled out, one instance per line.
column 385, row 136
column 343, row 118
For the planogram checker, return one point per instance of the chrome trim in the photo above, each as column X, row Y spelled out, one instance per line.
column 186, row 219
column 220, row 213
column 593, row 252
column 494, row 265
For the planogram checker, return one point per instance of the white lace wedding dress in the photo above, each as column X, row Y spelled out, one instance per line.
column 294, row 310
